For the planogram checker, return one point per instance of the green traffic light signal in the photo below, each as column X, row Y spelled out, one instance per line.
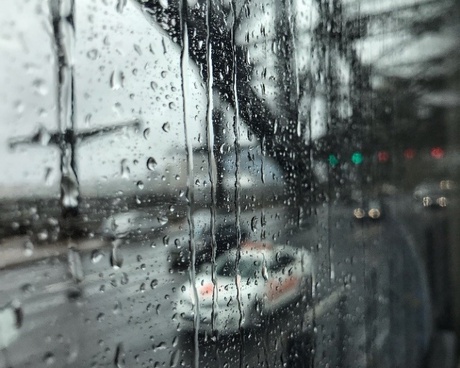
column 357, row 158
column 333, row 160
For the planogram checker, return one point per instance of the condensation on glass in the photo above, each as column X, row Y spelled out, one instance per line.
column 227, row 183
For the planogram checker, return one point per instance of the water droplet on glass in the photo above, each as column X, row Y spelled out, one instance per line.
column 49, row 358
column 42, row 235
column 264, row 271
column 88, row 118
column 121, row 5
column 159, row 346
column 163, row 220
column 120, row 356
column 39, row 86
column 43, row 136
column 116, row 80
column 142, row 287
column 172, row 105
column 174, row 358
column 125, row 171
column 27, row 288
column 11, row 320
column 19, row 106
column 146, row 133
column 151, row 163
column 75, row 265
column 53, row 221
column 92, row 54
column 137, row 48
column 117, row 308
column 153, row 86
column 140, row 184
column 96, row 256
column 166, row 127
column 124, row 278
column 70, row 192
column 116, row 259
column 154, row 284
column 100, row 317
column 48, row 176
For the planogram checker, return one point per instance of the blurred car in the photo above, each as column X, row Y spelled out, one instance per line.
column 226, row 238
column 369, row 209
column 261, row 280
column 435, row 194
column 261, row 179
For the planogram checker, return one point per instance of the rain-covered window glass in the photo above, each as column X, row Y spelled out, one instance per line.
column 229, row 183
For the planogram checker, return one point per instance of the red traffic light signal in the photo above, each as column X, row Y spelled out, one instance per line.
column 437, row 153
column 409, row 153
column 383, row 156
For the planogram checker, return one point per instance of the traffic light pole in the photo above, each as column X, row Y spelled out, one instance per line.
column 66, row 138
column 62, row 13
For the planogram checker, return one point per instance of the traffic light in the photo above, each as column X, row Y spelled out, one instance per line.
column 383, row 156
column 357, row 158
column 409, row 153
column 333, row 160
column 437, row 153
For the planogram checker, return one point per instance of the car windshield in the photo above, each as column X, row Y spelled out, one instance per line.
column 247, row 266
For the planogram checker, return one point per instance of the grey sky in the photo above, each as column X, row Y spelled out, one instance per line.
column 144, row 67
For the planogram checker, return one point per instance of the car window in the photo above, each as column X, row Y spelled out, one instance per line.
column 226, row 268
column 248, row 267
column 282, row 261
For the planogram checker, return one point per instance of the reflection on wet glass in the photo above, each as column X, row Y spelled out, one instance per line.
column 229, row 183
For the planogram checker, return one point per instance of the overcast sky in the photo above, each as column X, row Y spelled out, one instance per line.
column 125, row 68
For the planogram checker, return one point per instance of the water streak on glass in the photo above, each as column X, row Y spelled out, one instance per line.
column 310, row 128
column 294, row 97
column 212, row 168
column 190, row 183
column 237, row 203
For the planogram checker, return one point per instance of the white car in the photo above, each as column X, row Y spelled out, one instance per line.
column 268, row 278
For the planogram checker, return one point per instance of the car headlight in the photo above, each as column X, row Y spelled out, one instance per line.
column 359, row 213
column 427, row 201
column 374, row 213
column 442, row 201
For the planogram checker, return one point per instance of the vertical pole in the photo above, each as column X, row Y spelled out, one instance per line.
column 62, row 13
column 453, row 215
column 454, row 211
